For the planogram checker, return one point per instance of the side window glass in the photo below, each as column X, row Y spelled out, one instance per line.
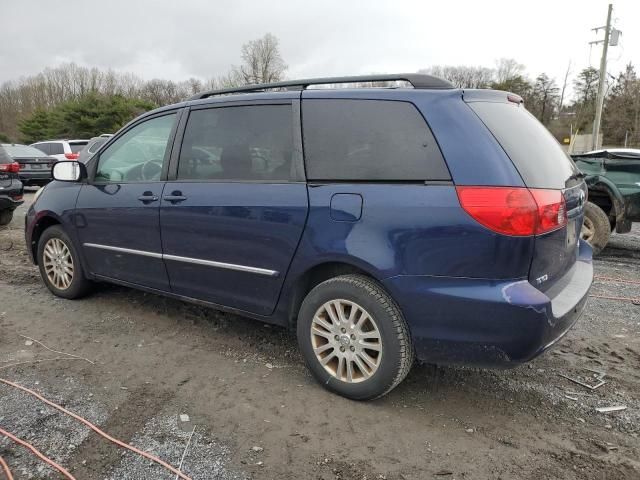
column 137, row 156
column 238, row 143
column 56, row 149
column 44, row 148
column 369, row 140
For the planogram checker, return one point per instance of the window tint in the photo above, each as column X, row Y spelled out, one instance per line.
column 238, row 143
column 56, row 149
column 369, row 140
column 137, row 155
column 535, row 153
column 4, row 156
column 77, row 147
column 43, row 147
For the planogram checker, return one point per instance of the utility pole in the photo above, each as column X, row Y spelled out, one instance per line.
column 603, row 74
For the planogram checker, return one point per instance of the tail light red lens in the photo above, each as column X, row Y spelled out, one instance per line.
column 71, row 156
column 516, row 211
column 10, row 167
column 552, row 210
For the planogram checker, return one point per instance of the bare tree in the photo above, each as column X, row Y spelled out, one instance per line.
column 462, row 76
column 508, row 69
column 564, row 86
column 544, row 98
column 262, row 62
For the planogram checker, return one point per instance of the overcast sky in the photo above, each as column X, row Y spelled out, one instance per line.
column 202, row 38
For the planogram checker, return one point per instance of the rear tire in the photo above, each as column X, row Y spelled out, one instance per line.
column 59, row 264
column 5, row 217
column 354, row 338
column 596, row 228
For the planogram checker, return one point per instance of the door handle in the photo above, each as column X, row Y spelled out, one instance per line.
column 147, row 198
column 174, row 198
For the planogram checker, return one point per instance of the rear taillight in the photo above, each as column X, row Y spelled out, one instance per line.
column 17, row 197
column 71, row 156
column 552, row 210
column 10, row 167
column 517, row 211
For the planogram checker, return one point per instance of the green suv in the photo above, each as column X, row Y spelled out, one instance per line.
column 613, row 178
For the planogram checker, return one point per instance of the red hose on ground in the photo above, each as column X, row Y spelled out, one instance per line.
column 97, row 430
column 608, row 297
column 5, row 468
column 612, row 279
column 37, row 452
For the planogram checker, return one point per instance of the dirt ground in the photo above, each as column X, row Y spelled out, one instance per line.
column 258, row 414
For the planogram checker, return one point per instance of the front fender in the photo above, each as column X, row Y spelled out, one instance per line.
column 600, row 183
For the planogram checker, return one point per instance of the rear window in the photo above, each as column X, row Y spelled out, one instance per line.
column 43, row 147
column 23, row 151
column 56, row 148
column 370, row 140
column 535, row 153
column 77, row 147
column 4, row 156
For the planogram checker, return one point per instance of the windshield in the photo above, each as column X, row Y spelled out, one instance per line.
column 23, row 151
column 537, row 156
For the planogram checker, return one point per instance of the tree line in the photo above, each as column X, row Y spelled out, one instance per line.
column 74, row 101
column 547, row 100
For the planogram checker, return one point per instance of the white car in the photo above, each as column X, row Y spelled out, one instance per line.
column 61, row 149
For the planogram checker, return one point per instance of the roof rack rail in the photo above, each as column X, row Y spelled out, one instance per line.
column 417, row 80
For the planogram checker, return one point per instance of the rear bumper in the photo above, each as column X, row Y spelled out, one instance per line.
column 490, row 322
column 8, row 203
column 35, row 177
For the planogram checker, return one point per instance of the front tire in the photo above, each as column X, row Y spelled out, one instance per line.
column 354, row 338
column 596, row 228
column 59, row 264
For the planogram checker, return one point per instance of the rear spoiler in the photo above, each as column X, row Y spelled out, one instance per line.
column 485, row 95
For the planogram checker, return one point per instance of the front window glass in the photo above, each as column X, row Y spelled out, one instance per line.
column 137, row 156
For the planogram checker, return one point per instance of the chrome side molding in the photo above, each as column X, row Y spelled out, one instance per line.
column 196, row 261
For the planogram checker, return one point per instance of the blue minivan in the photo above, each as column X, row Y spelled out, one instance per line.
column 383, row 224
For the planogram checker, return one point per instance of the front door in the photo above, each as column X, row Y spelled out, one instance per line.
column 117, row 211
column 232, row 218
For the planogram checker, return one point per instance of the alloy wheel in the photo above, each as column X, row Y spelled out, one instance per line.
column 58, row 263
column 588, row 230
column 346, row 341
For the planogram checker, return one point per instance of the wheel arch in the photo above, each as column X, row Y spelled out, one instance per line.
column 604, row 193
column 38, row 229
column 303, row 283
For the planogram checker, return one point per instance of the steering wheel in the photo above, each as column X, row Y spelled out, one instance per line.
column 151, row 170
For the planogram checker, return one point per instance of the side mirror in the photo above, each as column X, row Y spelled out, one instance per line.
column 69, row 171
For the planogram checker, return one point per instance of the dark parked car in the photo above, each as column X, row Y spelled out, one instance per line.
column 378, row 222
column 35, row 165
column 11, row 189
column 613, row 179
column 92, row 147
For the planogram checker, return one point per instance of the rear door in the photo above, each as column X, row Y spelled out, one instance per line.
column 235, row 207
column 56, row 150
column 117, row 211
column 542, row 164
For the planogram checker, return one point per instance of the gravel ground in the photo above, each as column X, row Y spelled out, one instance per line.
column 258, row 414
